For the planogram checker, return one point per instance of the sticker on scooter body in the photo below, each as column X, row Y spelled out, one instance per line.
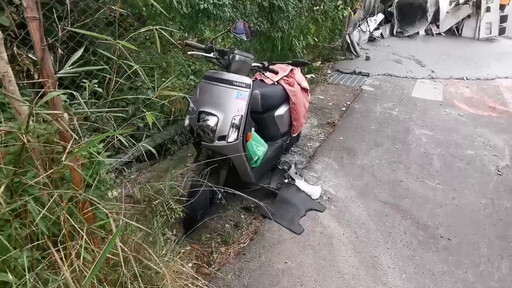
column 240, row 95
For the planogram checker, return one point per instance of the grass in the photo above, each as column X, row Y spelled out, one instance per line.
column 45, row 241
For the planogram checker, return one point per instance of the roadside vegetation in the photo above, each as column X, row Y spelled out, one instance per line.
column 94, row 87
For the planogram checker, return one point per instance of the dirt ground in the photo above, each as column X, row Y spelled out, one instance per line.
column 328, row 103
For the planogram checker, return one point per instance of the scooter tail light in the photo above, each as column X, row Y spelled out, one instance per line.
column 234, row 129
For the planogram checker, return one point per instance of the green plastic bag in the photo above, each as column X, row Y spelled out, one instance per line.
column 256, row 149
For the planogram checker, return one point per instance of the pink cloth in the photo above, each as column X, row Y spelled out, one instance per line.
column 296, row 86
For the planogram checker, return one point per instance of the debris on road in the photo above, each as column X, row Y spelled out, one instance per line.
column 410, row 16
column 354, row 72
column 313, row 191
column 379, row 19
column 364, row 32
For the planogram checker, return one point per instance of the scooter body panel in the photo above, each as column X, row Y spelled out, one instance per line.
column 225, row 95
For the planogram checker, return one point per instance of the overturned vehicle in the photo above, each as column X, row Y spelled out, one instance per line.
column 477, row 19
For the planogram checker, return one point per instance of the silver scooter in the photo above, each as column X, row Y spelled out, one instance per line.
column 224, row 108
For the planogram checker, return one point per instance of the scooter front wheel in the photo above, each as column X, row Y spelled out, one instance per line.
column 197, row 206
column 200, row 195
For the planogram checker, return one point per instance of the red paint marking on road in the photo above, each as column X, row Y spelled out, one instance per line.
column 480, row 98
column 495, row 110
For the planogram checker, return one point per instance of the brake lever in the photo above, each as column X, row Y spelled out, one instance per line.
column 195, row 53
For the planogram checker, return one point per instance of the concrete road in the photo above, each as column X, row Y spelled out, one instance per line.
column 420, row 196
column 418, row 189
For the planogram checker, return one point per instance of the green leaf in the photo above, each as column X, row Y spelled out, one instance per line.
column 159, row 8
column 150, row 118
column 92, row 34
column 106, row 54
column 169, row 37
column 73, row 58
column 104, row 37
column 126, row 44
column 4, row 21
column 33, row 209
column 60, row 75
column 50, row 96
column 157, row 41
column 101, row 259
column 4, row 277
column 5, row 248
column 66, row 72
column 94, row 141
column 149, row 148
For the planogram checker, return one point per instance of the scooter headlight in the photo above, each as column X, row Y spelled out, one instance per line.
column 207, row 126
column 234, row 129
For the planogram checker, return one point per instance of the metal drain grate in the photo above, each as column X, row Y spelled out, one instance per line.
column 350, row 80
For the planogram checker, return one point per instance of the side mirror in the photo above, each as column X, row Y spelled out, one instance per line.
column 242, row 30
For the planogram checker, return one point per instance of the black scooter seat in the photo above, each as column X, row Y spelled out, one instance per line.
column 267, row 97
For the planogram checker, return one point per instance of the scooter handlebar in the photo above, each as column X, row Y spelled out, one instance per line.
column 265, row 67
column 299, row 63
column 195, row 45
column 272, row 70
column 223, row 53
column 295, row 63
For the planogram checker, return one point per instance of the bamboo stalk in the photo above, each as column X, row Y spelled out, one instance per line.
column 10, row 88
column 33, row 15
column 21, row 111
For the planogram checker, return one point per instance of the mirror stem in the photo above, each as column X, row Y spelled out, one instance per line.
column 218, row 35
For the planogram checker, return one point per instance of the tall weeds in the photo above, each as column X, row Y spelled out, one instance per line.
column 45, row 241
column 46, row 238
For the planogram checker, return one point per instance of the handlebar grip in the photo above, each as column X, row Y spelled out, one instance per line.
column 299, row 63
column 195, row 45
column 272, row 70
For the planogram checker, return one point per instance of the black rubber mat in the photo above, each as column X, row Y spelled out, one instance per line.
column 289, row 207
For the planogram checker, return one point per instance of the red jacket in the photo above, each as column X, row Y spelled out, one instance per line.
column 296, row 86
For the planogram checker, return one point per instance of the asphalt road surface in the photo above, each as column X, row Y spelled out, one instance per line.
column 418, row 189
